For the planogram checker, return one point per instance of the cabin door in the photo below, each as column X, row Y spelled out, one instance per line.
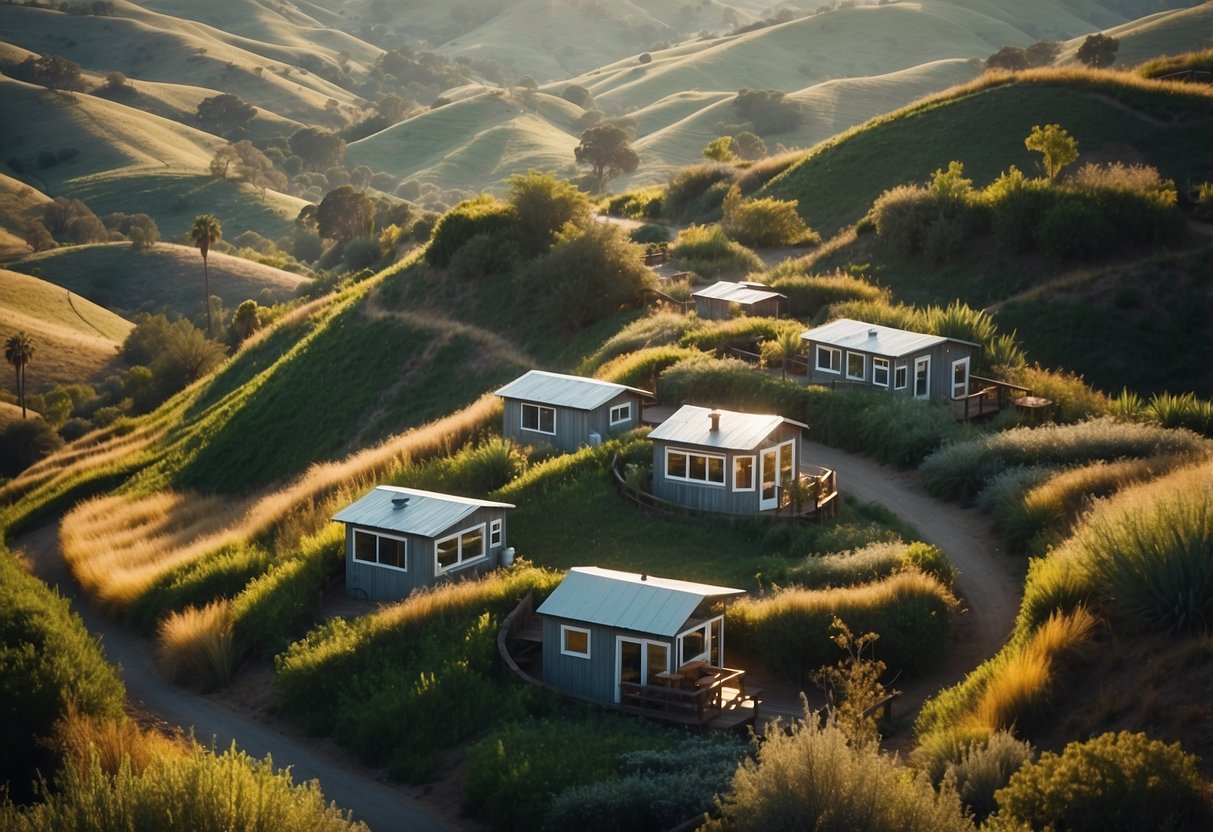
column 960, row 378
column 639, row 661
column 778, row 468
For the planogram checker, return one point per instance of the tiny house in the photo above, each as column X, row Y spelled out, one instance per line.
column 603, row 628
column 886, row 359
column 724, row 299
column 566, row 411
column 399, row 539
column 721, row 460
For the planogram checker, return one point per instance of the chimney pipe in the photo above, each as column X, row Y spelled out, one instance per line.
column 714, row 416
column 644, row 576
column 872, row 333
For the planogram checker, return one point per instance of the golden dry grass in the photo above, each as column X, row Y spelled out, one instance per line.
column 111, row 743
column 197, row 646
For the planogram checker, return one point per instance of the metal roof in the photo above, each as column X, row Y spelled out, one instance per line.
column 874, row 338
column 560, row 390
column 692, row 425
column 425, row 513
column 743, row 293
column 628, row 601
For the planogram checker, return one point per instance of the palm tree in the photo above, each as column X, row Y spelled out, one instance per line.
column 18, row 351
column 786, row 346
column 205, row 231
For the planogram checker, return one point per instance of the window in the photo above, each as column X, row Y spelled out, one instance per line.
column 574, row 641
column 743, row 473
column 829, row 359
column 381, row 549
column 538, row 418
column 694, row 467
column 494, row 534
column 900, row 374
column 857, row 364
column 880, row 372
column 922, row 377
column 458, row 549
column 693, row 645
column 621, row 413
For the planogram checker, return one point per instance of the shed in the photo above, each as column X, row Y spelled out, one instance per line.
column 602, row 627
column 898, row 361
column 721, row 460
column 566, row 411
column 725, row 299
column 398, row 539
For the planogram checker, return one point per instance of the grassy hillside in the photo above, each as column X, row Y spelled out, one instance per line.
column 165, row 277
column 75, row 340
column 1164, row 33
column 983, row 125
column 19, row 203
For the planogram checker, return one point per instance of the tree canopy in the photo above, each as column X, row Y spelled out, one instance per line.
column 1098, row 50
column 318, row 149
column 226, row 112
column 344, row 213
column 606, row 149
column 1055, row 144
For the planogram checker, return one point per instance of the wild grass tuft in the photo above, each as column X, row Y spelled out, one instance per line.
column 809, row 294
column 706, row 251
column 873, row 562
column 197, row 646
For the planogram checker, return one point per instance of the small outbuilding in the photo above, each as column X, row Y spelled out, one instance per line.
column 903, row 363
column 725, row 299
column 721, row 460
column 399, row 539
column 566, row 411
column 603, row 628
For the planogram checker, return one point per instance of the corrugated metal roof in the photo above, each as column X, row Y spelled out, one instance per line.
column 692, row 425
column 744, row 293
column 874, row 338
column 560, row 390
column 659, row 606
column 425, row 513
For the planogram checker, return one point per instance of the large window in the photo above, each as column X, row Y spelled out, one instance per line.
column 574, row 641
column 694, row 467
column 458, row 549
column 381, row 549
column 900, row 375
column 829, row 359
column 621, row 413
column 880, row 372
column 743, row 473
column 856, row 366
column 538, row 418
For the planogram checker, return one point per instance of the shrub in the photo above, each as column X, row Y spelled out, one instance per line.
column 809, row 294
column 697, row 193
column 811, row 777
column 650, row 233
column 873, row 562
column 642, row 367
column 985, row 767
column 24, row 442
column 765, row 222
column 482, row 215
column 1115, row 781
column 708, row 252
column 545, row 205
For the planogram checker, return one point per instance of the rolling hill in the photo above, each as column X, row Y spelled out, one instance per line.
column 19, row 203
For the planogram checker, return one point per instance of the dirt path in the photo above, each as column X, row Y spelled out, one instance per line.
column 383, row 807
column 989, row 581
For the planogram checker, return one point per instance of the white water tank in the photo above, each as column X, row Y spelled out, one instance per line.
column 507, row 556
column 595, row 439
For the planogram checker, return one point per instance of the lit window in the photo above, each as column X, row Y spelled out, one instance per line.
column 574, row 641
column 694, row 467
column 536, row 417
column 743, row 473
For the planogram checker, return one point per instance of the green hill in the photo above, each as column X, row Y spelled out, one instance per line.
column 19, row 203
column 75, row 340
column 164, row 277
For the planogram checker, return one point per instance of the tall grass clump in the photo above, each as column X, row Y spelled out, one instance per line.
column 709, row 253
column 48, row 664
column 655, row 330
column 197, row 646
column 977, row 768
column 1073, row 399
column 1180, row 411
column 221, row 574
column 809, row 294
column 789, row 629
column 811, row 776
column 1113, row 781
column 642, row 367
column 960, row 470
column 873, row 562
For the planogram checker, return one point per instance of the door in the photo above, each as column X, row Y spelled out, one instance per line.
column 639, row 661
column 922, row 377
column 960, row 378
column 778, row 466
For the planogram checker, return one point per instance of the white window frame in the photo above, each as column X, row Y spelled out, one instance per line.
column 461, row 561
column 538, row 411
column 565, row 629
column 925, row 362
column 834, row 364
column 863, row 366
column 684, row 477
column 495, row 536
column 706, row 628
column 621, row 414
column 901, row 376
column 880, row 364
column 376, row 562
column 753, row 472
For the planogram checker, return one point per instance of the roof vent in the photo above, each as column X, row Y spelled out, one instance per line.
column 715, row 417
column 400, row 502
column 872, row 332
column 644, row 576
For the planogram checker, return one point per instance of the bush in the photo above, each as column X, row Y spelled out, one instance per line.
column 1118, row 781
column 708, row 252
column 765, row 222
column 811, row 777
column 873, row 562
column 24, row 442
column 482, row 215
column 808, row 295
column 697, row 193
column 545, row 205
column 985, row 767
column 649, row 233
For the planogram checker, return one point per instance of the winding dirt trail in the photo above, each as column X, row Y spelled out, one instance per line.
column 383, row 807
column 989, row 581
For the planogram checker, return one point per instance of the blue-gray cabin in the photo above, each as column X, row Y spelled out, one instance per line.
column 725, row 299
column 724, row 461
column 566, row 411
column 399, row 539
column 896, row 361
column 602, row 627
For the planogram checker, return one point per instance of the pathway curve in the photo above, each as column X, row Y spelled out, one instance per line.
column 383, row 807
column 989, row 580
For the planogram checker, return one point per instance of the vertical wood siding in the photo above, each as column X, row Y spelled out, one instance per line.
column 573, row 426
